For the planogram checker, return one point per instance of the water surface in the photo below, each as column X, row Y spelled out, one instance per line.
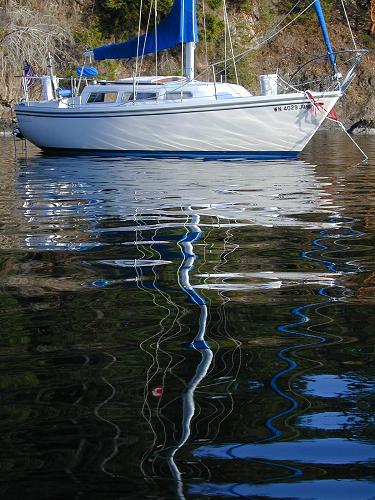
column 186, row 328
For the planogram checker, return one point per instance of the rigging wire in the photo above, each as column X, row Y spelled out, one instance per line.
column 156, row 41
column 145, row 39
column 272, row 34
column 225, row 41
column 267, row 38
column 139, row 34
column 182, row 42
column 205, row 32
column 230, row 39
column 347, row 20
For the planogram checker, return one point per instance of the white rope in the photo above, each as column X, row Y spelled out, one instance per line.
column 350, row 137
column 80, row 75
column 334, row 120
column 347, row 20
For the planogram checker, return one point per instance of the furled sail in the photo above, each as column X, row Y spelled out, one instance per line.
column 180, row 26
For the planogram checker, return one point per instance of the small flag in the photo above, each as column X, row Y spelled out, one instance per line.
column 333, row 115
column 28, row 73
column 319, row 106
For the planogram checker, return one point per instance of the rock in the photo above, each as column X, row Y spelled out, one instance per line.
column 362, row 127
column 5, row 127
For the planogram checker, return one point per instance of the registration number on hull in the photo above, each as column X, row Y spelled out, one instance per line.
column 292, row 107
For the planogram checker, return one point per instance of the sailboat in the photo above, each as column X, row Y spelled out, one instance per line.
column 179, row 115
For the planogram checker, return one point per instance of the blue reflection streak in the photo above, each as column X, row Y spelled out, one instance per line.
column 189, row 257
column 291, row 329
column 187, row 265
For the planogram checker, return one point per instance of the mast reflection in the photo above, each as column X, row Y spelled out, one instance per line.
column 199, row 343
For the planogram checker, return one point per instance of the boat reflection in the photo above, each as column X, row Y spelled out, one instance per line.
column 214, row 273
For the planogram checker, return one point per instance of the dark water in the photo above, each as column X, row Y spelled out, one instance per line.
column 188, row 329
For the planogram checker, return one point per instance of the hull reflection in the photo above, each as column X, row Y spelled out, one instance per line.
column 195, row 310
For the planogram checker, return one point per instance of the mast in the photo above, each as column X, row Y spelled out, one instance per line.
column 323, row 27
column 189, row 60
column 189, row 23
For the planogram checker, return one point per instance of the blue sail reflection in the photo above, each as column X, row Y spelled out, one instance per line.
column 327, row 489
column 349, row 386
column 289, row 455
column 337, row 451
column 333, row 420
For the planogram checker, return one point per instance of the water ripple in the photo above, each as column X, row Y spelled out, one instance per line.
column 179, row 328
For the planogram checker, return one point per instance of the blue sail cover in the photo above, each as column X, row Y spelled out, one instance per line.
column 87, row 71
column 323, row 27
column 180, row 26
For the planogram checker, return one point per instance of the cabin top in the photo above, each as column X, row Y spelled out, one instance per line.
column 156, row 89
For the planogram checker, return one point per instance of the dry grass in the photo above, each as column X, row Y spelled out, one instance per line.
column 27, row 33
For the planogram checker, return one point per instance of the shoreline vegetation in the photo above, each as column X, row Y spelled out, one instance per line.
column 30, row 29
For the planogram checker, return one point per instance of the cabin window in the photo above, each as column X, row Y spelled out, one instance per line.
column 177, row 96
column 144, row 96
column 99, row 97
column 125, row 96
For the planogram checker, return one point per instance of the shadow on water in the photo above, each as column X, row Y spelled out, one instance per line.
column 186, row 329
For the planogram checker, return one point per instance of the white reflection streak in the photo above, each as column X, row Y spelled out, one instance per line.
column 188, row 408
column 164, row 333
column 116, row 427
column 77, row 454
column 235, row 366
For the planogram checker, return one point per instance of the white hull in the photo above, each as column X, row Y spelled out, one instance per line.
column 278, row 125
